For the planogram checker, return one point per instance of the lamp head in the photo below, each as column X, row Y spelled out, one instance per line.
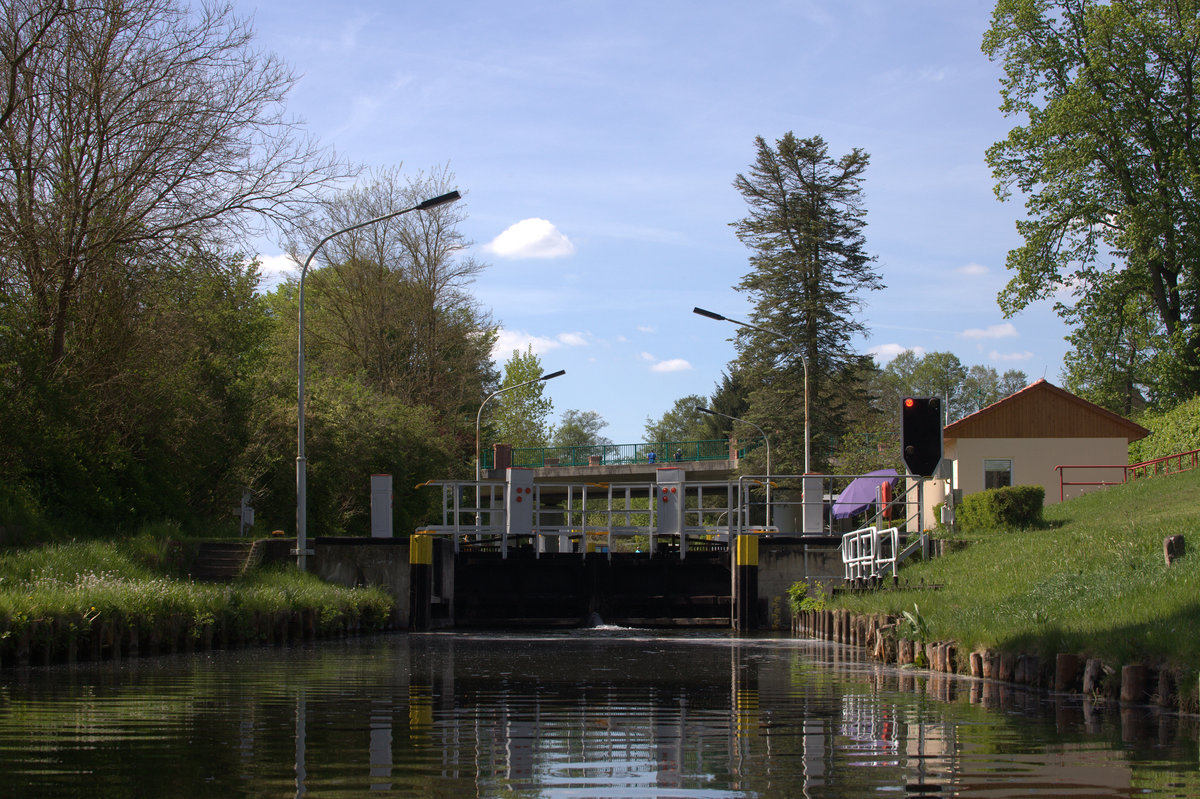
column 704, row 410
column 553, row 375
column 441, row 199
column 709, row 314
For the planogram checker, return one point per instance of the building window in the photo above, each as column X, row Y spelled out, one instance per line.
column 997, row 473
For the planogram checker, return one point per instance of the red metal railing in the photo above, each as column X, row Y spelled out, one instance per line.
column 1171, row 464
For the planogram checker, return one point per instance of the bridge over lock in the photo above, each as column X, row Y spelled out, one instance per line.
column 684, row 547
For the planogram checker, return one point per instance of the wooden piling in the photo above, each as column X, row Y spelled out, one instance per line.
column 1093, row 676
column 1133, row 683
column 1066, row 671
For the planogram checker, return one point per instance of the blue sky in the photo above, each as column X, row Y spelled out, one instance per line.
column 596, row 144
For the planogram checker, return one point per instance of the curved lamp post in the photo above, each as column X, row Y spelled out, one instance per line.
column 479, row 415
column 795, row 348
column 766, row 441
column 302, row 551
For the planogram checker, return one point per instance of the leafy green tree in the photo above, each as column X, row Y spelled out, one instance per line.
column 809, row 268
column 1114, row 344
column 681, row 423
column 521, row 415
column 580, row 429
column 1108, row 161
column 940, row 374
column 139, row 140
column 152, row 429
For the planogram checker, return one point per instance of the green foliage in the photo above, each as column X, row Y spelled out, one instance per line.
column 941, row 374
column 1009, row 508
column 682, row 422
column 1171, row 432
column 68, row 586
column 1104, row 159
column 915, row 626
column 1117, row 344
column 580, row 429
column 521, row 414
column 146, row 419
column 799, row 600
column 797, row 592
column 352, row 432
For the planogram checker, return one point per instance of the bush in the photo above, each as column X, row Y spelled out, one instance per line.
column 1171, row 433
column 1015, row 507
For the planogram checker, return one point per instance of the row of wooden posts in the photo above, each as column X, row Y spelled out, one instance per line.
column 881, row 636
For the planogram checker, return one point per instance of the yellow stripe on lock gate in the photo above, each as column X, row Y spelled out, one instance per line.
column 420, row 550
column 747, row 550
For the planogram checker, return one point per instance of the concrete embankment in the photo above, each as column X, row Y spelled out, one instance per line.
column 884, row 639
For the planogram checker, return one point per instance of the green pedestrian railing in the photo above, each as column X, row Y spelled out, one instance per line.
column 665, row 452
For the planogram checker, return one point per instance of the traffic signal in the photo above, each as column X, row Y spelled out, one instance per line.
column 921, row 434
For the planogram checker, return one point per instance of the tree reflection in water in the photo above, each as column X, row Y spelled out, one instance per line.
column 598, row 712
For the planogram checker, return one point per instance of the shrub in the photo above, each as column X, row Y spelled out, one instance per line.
column 1015, row 507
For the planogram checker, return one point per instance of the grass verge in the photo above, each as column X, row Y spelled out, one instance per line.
column 80, row 597
column 1093, row 581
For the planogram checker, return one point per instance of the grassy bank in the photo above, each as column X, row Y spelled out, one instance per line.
column 1093, row 581
column 99, row 599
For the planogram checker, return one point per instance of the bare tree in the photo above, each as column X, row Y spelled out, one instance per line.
column 392, row 301
column 138, row 132
column 25, row 23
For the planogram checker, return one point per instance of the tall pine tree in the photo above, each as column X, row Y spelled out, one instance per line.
column 809, row 268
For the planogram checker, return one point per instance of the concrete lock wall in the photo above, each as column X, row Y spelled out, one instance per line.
column 353, row 562
column 780, row 565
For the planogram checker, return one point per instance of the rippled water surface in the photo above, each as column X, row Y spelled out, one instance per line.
column 589, row 713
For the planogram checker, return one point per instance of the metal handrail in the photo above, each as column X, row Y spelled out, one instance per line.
column 665, row 452
column 1148, row 468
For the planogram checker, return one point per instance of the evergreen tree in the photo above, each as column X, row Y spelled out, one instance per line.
column 808, row 269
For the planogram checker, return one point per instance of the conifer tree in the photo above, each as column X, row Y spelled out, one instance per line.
column 809, row 268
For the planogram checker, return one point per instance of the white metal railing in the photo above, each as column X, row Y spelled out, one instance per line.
column 870, row 553
column 584, row 516
column 579, row 517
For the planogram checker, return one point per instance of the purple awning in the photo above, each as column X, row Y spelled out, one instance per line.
column 862, row 492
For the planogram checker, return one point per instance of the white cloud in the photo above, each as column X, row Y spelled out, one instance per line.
column 531, row 238
column 973, row 269
column 645, row 356
column 672, row 365
column 509, row 340
column 883, row 353
column 1005, row 330
column 277, row 265
column 1010, row 356
column 572, row 340
column 645, row 329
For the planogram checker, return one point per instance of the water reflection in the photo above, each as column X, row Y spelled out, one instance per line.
column 586, row 713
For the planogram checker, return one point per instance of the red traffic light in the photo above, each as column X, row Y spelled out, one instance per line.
column 908, row 402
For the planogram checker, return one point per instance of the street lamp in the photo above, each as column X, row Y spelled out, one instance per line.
column 479, row 415
column 766, row 441
column 795, row 348
column 302, row 551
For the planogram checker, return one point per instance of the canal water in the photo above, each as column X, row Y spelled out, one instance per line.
column 584, row 713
